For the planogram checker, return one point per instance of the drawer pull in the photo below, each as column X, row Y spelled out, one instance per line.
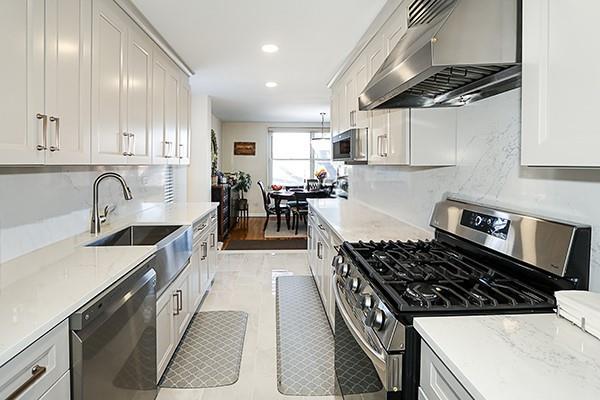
column 321, row 227
column 36, row 373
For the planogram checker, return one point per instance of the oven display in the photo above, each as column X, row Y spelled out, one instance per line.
column 494, row 226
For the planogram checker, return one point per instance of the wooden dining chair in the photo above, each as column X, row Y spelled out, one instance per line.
column 312, row 184
column 270, row 208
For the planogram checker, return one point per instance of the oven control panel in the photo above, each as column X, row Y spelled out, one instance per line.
column 488, row 224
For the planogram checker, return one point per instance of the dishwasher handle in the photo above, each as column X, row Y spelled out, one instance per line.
column 103, row 306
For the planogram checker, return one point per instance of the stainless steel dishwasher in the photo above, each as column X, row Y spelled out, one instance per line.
column 113, row 340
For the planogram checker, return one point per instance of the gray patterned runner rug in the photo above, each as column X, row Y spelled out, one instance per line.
column 305, row 346
column 210, row 353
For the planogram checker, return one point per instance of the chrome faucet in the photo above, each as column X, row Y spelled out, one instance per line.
column 96, row 219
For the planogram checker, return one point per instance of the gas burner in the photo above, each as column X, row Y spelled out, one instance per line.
column 430, row 275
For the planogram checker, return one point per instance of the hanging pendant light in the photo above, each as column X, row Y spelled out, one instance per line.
column 323, row 136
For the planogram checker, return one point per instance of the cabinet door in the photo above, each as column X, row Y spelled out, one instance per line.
column 61, row 390
column 312, row 245
column 349, row 107
column 378, row 119
column 326, row 278
column 212, row 254
column 159, row 79
column 171, row 112
column 109, row 83
column 182, row 320
column 396, row 143
column 559, row 91
column 68, row 81
column 166, row 308
column 334, row 112
column 183, row 131
column 22, row 81
column 361, row 118
column 196, row 279
column 139, row 96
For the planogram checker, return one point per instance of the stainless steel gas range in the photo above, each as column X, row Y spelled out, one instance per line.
column 482, row 260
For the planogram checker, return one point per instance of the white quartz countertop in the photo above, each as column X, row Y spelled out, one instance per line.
column 532, row 357
column 353, row 220
column 42, row 288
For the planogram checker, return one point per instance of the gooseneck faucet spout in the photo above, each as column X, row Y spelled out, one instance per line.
column 96, row 220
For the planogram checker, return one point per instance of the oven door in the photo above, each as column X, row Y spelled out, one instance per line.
column 360, row 362
column 342, row 147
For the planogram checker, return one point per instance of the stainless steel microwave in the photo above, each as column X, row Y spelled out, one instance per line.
column 351, row 146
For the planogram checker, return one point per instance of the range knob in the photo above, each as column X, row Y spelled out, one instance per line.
column 343, row 270
column 367, row 302
column 337, row 260
column 353, row 284
column 375, row 319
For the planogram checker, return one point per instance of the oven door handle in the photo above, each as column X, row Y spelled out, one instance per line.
column 367, row 348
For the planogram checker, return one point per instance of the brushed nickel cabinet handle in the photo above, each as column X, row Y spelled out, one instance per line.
column 180, row 300
column 36, row 373
column 204, row 248
column 176, row 295
column 212, row 240
column 56, row 121
column 131, row 144
column 127, row 143
column 44, row 145
column 384, row 139
column 180, row 150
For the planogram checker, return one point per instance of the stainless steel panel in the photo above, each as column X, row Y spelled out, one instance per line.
column 479, row 37
column 113, row 341
column 541, row 242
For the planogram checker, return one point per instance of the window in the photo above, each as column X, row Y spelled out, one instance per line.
column 295, row 156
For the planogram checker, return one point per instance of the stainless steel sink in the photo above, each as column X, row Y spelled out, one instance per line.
column 173, row 247
column 136, row 235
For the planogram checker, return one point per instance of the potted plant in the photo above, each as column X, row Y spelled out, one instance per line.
column 243, row 184
column 214, row 155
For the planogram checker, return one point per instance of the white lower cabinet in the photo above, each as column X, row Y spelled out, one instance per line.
column 173, row 314
column 212, row 254
column 34, row 373
column 322, row 244
column 61, row 389
column 437, row 382
column 165, row 331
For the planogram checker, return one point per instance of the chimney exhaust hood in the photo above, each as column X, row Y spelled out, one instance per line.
column 454, row 52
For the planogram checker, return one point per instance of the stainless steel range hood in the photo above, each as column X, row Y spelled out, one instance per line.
column 454, row 52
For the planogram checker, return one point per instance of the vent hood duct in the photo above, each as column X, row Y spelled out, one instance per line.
column 453, row 53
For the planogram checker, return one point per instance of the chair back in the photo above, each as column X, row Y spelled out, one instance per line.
column 312, row 184
column 265, row 195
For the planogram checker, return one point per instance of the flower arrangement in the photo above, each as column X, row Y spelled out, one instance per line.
column 321, row 174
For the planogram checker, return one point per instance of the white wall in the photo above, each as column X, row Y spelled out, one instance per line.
column 217, row 126
column 256, row 166
column 199, row 170
column 488, row 170
column 43, row 205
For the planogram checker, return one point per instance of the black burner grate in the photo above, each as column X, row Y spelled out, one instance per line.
column 428, row 275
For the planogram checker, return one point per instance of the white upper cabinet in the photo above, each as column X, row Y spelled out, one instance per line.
column 165, row 114
column 560, row 89
column 423, row 137
column 139, row 97
column 68, row 81
column 22, row 82
column 110, row 139
column 184, row 124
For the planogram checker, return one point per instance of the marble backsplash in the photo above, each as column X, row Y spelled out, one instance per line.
column 488, row 170
column 42, row 205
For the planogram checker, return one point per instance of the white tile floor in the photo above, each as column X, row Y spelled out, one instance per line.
column 245, row 281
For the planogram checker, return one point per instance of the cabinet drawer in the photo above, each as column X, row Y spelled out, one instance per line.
column 61, row 389
column 437, row 382
column 42, row 364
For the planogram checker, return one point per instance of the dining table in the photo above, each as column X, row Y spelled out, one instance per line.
column 289, row 194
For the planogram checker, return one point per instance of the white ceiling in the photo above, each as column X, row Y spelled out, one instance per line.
column 221, row 41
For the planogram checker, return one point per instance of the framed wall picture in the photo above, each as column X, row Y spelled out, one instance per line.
column 244, row 148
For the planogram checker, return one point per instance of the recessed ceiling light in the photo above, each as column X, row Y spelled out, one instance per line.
column 270, row 48
column 271, row 84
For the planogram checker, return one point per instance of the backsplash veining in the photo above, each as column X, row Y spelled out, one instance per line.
column 488, row 170
column 42, row 205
